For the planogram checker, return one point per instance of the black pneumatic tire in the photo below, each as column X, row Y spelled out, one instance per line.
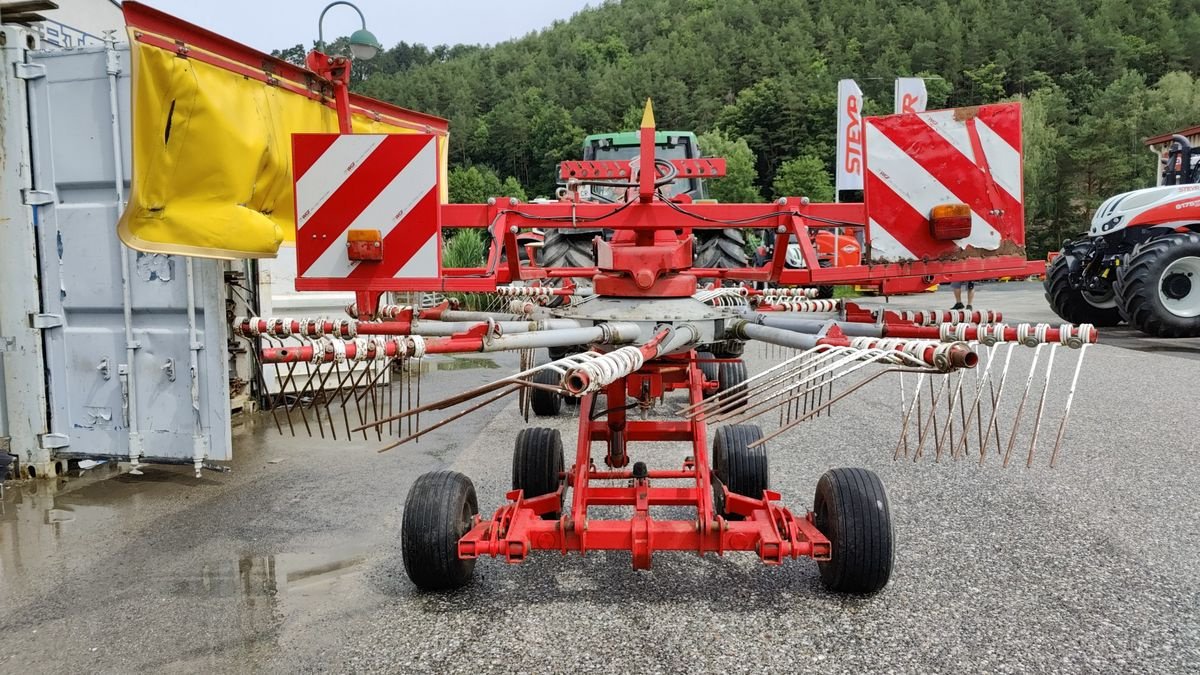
column 720, row 249
column 851, row 509
column 1140, row 279
column 573, row 248
column 538, row 463
column 545, row 403
column 740, row 468
column 439, row 510
column 730, row 374
column 711, row 369
column 1070, row 303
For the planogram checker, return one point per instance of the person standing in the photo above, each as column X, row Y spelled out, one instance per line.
column 956, row 286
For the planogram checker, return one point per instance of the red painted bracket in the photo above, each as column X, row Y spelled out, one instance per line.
column 613, row 169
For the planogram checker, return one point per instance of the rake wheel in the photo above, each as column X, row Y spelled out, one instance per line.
column 851, row 509
column 730, row 374
column 711, row 369
column 740, row 468
column 545, row 403
column 538, row 464
column 440, row 508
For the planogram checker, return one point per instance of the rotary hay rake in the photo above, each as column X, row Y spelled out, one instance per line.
column 640, row 330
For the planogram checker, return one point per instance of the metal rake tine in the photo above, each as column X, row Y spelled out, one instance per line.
column 904, row 424
column 262, row 382
column 320, row 391
column 829, row 409
column 932, row 423
column 730, row 408
column 1062, row 425
column 352, row 391
column 840, row 396
column 983, row 380
column 369, row 391
column 300, row 397
column 1037, row 420
column 742, row 416
column 420, row 372
column 948, row 429
column 992, row 422
column 316, row 407
column 283, row 388
column 1021, row 406
column 789, row 362
column 341, row 396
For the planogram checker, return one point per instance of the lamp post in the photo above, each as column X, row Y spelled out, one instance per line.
column 336, row 69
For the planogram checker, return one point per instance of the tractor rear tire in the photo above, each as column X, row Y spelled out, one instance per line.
column 740, row 468
column 711, row 370
column 568, row 248
column 545, row 403
column 851, row 510
column 537, row 467
column 440, row 509
column 720, row 249
column 1159, row 286
column 1074, row 304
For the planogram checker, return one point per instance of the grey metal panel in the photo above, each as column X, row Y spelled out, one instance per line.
column 82, row 261
column 22, row 387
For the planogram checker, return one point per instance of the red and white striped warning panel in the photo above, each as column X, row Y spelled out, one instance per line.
column 917, row 161
column 367, row 210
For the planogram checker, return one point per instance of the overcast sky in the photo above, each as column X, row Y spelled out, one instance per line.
column 275, row 24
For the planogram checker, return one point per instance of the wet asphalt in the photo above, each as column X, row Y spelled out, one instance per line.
column 291, row 562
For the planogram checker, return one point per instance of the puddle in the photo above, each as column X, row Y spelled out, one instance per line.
column 301, row 576
column 36, row 516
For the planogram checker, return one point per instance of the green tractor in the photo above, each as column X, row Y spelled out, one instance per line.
column 720, row 249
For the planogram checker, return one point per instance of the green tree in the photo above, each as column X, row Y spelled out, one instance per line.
column 803, row 177
column 475, row 185
column 738, row 185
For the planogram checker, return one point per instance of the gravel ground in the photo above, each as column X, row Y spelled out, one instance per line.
column 292, row 562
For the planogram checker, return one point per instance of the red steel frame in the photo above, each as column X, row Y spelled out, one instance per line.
column 768, row 527
column 646, row 258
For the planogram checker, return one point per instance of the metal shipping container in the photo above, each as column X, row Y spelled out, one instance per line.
column 106, row 351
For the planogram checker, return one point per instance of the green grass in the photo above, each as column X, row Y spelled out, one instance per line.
column 465, row 248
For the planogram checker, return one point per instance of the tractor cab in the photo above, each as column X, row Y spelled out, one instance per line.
column 624, row 146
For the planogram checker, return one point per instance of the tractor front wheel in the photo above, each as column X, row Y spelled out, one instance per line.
column 1159, row 286
column 1076, row 304
column 851, row 510
column 440, row 509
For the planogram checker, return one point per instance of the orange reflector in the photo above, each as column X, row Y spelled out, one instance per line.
column 364, row 245
column 363, row 235
column 950, row 221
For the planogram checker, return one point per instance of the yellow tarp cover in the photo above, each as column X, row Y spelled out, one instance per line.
column 212, row 173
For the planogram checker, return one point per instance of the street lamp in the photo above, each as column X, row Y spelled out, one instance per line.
column 336, row 69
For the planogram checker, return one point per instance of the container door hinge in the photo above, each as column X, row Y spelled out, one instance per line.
column 44, row 321
column 30, row 71
column 36, row 197
column 54, row 441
